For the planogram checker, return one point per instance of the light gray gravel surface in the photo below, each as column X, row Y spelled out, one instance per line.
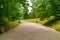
column 30, row 31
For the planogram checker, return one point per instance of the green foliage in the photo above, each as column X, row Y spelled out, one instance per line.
column 25, row 16
column 32, row 15
column 25, row 11
column 46, row 8
column 10, row 9
column 7, row 24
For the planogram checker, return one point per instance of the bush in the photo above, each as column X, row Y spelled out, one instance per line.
column 7, row 24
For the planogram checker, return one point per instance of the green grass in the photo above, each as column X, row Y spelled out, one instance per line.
column 13, row 24
column 56, row 26
column 34, row 21
column 9, row 25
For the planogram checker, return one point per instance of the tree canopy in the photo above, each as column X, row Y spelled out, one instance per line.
column 46, row 8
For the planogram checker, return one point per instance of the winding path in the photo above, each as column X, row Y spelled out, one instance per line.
column 30, row 31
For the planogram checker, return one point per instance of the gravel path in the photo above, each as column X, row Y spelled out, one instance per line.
column 30, row 31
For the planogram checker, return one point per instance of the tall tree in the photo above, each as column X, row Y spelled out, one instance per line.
column 46, row 8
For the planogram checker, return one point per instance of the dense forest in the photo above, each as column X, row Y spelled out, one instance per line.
column 12, row 11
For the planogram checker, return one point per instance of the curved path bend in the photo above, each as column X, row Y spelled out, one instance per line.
column 30, row 31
